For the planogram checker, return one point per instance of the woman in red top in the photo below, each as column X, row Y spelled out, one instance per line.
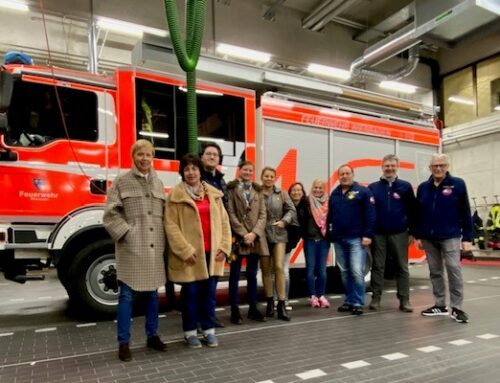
column 199, row 238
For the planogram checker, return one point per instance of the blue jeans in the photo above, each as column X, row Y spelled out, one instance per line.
column 198, row 304
column 251, row 274
column 316, row 252
column 124, row 312
column 351, row 258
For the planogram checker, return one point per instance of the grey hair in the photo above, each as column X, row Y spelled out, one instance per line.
column 390, row 157
column 440, row 156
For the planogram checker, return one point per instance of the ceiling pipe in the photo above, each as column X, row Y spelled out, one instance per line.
column 320, row 12
column 330, row 16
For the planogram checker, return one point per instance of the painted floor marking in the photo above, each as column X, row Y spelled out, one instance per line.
column 86, row 324
column 395, row 356
column 487, row 336
column 17, row 300
column 423, row 287
column 48, row 329
column 46, row 298
column 266, row 381
column 391, row 291
column 355, row 364
column 220, row 309
column 460, row 342
column 162, row 316
column 311, row 374
column 335, row 296
column 429, row 349
column 483, row 279
column 471, row 281
column 495, row 277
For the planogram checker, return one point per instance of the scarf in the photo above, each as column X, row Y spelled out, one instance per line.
column 319, row 211
column 194, row 195
column 246, row 188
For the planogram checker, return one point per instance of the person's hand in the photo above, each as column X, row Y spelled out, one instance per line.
column 420, row 245
column 365, row 241
column 411, row 239
column 249, row 238
column 467, row 246
column 280, row 224
column 191, row 260
column 220, row 256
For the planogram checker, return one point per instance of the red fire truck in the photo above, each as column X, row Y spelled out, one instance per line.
column 65, row 135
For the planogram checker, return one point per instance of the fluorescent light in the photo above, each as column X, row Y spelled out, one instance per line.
column 13, row 4
column 210, row 139
column 398, row 86
column 153, row 134
column 243, row 53
column 201, row 91
column 490, row 5
column 128, row 28
column 329, row 71
column 461, row 100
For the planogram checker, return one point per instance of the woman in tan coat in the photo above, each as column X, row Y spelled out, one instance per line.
column 133, row 217
column 199, row 239
column 247, row 214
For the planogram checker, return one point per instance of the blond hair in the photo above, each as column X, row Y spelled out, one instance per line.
column 140, row 144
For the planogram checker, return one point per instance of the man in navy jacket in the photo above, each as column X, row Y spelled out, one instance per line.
column 351, row 224
column 395, row 205
column 444, row 224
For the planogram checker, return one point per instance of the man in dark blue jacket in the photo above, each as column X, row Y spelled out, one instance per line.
column 395, row 205
column 351, row 224
column 444, row 224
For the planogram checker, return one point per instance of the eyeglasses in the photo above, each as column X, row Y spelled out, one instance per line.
column 439, row 165
column 210, row 154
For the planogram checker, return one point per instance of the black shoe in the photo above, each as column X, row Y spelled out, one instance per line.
column 124, row 353
column 459, row 316
column 270, row 308
column 435, row 311
column 219, row 323
column 357, row 311
column 375, row 303
column 282, row 314
column 236, row 316
column 155, row 343
column 255, row 314
column 405, row 307
column 344, row 308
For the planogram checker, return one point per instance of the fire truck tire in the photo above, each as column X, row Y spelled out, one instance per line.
column 92, row 283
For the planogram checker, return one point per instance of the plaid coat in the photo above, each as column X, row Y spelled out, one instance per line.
column 185, row 236
column 133, row 217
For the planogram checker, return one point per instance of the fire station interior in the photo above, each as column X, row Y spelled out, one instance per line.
column 432, row 65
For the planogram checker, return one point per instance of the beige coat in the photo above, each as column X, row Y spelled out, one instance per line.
column 133, row 217
column 185, row 235
column 249, row 218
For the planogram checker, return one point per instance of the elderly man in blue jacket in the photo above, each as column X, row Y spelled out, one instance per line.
column 444, row 226
column 395, row 206
column 351, row 225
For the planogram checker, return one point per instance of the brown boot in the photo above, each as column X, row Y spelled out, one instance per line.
column 124, row 353
column 405, row 306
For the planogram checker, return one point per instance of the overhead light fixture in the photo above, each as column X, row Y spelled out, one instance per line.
column 201, row 91
column 497, row 107
column 210, row 139
column 243, row 53
column 13, row 4
column 490, row 5
column 145, row 133
column 329, row 71
column 461, row 100
column 128, row 28
column 398, row 86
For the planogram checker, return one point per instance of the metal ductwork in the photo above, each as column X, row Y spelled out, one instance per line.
column 325, row 13
column 434, row 21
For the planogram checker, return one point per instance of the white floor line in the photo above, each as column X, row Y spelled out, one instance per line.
column 335, row 296
column 471, row 281
column 17, row 300
column 487, row 336
column 266, row 381
column 355, row 364
column 47, row 329
column 390, row 291
column 162, row 316
column 220, row 309
column 423, row 287
column 46, row 298
column 86, row 325
column 394, row 356
column 460, row 342
column 311, row 374
column 495, row 277
column 483, row 279
column 429, row 349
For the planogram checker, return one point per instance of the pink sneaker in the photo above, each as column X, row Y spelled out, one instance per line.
column 323, row 302
column 314, row 302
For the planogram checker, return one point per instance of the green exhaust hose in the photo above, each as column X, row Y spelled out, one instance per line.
column 187, row 54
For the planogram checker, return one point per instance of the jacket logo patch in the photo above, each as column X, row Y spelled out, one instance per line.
column 396, row 195
column 352, row 194
column 447, row 191
column 372, row 200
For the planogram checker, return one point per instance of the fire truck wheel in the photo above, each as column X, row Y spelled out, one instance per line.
column 92, row 283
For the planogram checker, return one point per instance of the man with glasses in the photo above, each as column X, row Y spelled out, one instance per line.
column 444, row 227
column 211, row 157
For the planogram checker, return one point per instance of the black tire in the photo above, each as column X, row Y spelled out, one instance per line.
column 92, row 285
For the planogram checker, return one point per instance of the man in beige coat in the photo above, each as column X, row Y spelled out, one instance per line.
column 133, row 217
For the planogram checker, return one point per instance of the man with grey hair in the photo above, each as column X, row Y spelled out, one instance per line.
column 395, row 204
column 444, row 226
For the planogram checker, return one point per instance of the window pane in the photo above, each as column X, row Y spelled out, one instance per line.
column 488, row 87
column 459, row 103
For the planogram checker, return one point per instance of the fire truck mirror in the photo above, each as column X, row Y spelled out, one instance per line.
column 6, row 86
column 98, row 186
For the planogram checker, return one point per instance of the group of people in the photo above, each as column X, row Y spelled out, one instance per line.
column 204, row 222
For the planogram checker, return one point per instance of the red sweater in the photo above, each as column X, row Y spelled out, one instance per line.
column 204, row 211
